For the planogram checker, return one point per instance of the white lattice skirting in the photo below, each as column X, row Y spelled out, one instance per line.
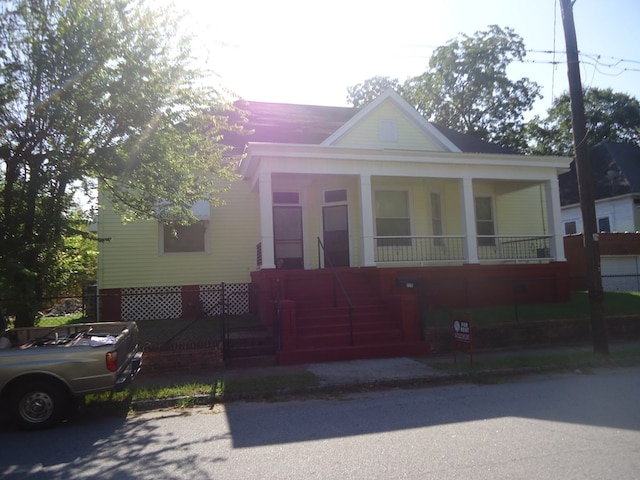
column 236, row 298
column 155, row 303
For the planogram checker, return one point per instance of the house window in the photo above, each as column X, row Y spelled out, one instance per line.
column 184, row 238
column 604, row 225
column 485, row 225
column 388, row 130
column 436, row 218
column 286, row 198
column 334, row 196
column 392, row 217
column 570, row 227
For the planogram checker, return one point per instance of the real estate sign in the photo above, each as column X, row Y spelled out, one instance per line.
column 462, row 334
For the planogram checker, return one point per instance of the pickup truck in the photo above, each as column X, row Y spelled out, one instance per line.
column 46, row 371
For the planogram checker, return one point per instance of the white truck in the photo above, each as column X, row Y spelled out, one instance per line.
column 45, row 371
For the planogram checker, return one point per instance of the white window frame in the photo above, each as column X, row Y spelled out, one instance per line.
column 409, row 217
column 608, row 219
column 567, row 222
column 438, row 242
column 487, row 242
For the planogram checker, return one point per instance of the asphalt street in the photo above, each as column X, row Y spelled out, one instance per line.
column 569, row 426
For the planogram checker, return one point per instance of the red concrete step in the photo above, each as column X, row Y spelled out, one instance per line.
column 336, row 338
column 341, row 325
column 342, row 317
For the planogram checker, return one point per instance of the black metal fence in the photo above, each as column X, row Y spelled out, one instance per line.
column 147, row 303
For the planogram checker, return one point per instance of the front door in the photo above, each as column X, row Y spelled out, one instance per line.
column 335, row 227
column 287, row 236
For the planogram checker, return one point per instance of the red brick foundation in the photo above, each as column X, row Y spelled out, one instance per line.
column 183, row 358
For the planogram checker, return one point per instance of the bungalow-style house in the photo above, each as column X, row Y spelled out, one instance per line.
column 348, row 224
column 616, row 174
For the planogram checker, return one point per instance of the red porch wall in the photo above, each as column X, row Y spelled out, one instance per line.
column 462, row 286
column 469, row 286
column 110, row 309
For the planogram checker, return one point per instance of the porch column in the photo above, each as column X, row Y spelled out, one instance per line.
column 552, row 194
column 266, row 220
column 469, row 220
column 366, row 208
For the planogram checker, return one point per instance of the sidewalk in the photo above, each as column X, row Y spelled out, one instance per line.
column 378, row 373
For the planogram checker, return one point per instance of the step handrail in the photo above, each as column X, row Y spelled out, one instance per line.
column 337, row 280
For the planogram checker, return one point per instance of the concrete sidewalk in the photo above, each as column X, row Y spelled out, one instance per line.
column 381, row 373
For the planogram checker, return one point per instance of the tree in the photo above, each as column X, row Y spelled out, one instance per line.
column 76, row 262
column 466, row 87
column 609, row 116
column 363, row 93
column 95, row 90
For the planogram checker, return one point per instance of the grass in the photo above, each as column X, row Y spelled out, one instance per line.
column 486, row 368
column 615, row 303
column 582, row 360
column 218, row 390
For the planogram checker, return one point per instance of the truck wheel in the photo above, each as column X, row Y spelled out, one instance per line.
column 37, row 404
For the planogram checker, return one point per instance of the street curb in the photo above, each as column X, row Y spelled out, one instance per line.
column 338, row 389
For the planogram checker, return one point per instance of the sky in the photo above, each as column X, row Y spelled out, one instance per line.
column 309, row 52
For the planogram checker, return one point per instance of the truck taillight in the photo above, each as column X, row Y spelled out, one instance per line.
column 112, row 361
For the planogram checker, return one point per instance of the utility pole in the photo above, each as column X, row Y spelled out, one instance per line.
column 585, row 185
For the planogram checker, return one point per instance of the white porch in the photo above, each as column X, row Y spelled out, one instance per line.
column 405, row 208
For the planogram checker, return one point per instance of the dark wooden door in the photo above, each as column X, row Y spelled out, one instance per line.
column 335, row 226
column 287, row 237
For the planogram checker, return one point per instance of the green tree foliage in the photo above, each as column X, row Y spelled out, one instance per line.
column 95, row 89
column 609, row 116
column 466, row 87
column 76, row 262
column 364, row 93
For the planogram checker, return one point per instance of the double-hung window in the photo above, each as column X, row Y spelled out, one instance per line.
column 485, row 225
column 392, row 217
column 436, row 219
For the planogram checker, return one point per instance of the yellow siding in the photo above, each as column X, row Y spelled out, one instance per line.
column 366, row 132
column 420, row 202
column 311, row 191
column 132, row 257
column 522, row 211
column 452, row 208
column 519, row 208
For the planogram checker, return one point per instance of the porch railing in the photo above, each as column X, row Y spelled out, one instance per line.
column 259, row 254
column 515, row 247
column 419, row 249
column 452, row 248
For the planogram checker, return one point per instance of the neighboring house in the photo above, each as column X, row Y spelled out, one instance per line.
column 616, row 174
column 374, row 199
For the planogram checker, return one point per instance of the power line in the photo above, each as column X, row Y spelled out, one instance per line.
column 616, row 60
column 593, row 61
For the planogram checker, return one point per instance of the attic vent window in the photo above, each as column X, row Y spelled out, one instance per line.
column 388, row 130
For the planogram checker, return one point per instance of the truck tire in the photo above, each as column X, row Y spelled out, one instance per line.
column 37, row 404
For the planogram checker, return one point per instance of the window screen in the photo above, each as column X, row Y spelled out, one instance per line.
column 392, row 217
column 184, row 238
